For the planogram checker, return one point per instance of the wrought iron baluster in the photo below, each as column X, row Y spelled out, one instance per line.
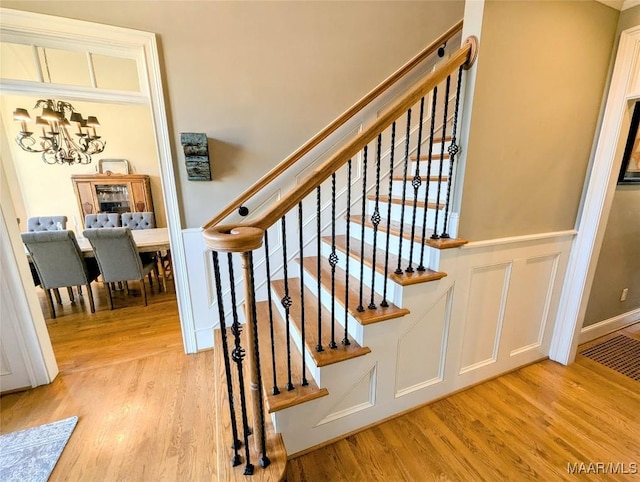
column 345, row 340
column 236, row 444
column 453, row 150
column 384, row 302
column 364, row 206
column 333, row 261
column 375, row 220
column 263, row 460
column 304, row 381
column 404, row 190
column 275, row 390
column 238, row 354
column 286, row 300
column 416, row 182
column 319, row 346
column 434, row 101
column 444, row 136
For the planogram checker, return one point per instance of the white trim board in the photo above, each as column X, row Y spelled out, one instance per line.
column 610, row 325
column 597, row 201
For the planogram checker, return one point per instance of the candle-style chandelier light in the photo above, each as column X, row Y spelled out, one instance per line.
column 57, row 144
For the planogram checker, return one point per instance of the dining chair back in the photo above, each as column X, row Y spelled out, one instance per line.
column 102, row 220
column 118, row 258
column 46, row 223
column 59, row 262
column 143, row 220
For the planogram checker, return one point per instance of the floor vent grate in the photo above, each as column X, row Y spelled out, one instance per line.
column 620, row 353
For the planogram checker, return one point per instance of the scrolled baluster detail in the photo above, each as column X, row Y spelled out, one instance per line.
column 444, row 137
column 404, row 190
column 375, row 220
column 453, row 150
column 238, row 355
column 236, row 444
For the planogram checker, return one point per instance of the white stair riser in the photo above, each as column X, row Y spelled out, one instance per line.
column 398, row 187
column 393, row 291
column 355, row 328
column 296, row 337
column 397, row 214
column 430, row 254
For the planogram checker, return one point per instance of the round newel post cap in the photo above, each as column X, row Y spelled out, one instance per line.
column 233, row 239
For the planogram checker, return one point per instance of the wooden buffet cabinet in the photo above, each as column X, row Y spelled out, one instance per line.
column 112, row 193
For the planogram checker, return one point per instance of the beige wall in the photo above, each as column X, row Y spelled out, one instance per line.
column 540, row 81
column 619, row 261
column 44, row 190
column 261, row 78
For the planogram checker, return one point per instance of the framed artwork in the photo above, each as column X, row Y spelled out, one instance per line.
column 630, row 169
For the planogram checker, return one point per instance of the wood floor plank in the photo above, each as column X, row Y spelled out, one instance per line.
column 531, row 424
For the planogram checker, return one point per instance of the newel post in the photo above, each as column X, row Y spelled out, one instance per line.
column 244, row 240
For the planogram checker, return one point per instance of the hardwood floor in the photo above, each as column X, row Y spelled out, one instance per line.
column 145, row 408
column 526, row 425
column 146, row 413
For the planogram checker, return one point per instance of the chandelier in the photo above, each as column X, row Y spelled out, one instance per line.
column 57, row 144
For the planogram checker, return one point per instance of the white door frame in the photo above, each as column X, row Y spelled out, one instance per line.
column 625, row 86
column 70, row 34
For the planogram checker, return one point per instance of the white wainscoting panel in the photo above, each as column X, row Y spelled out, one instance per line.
column 485, row 313
column 421, row 348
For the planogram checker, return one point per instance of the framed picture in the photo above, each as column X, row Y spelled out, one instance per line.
column 630, row 169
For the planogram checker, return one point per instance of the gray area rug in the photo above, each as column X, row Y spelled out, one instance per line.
column 31, row 454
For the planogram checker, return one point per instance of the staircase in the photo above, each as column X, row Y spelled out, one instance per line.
column 341, row 281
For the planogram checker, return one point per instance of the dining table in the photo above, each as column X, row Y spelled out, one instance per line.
column 147, row 240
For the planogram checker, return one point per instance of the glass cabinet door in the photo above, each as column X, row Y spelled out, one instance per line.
column 113, row 198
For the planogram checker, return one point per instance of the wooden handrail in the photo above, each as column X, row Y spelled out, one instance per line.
column 331, row 128
column 331, row 165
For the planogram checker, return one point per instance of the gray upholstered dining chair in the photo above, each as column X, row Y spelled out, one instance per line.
column 144, row 220
column 46, row 223
column 59, row 263
column 102, row 220
column 119, row 259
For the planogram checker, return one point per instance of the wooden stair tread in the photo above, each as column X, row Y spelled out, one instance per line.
column 286, row 398
column 435, row 156
column 366, row 317
column 394, row 228
column 409, row 178
column 276, row 450
column 403, row 279
column 329, row 355
column 407, row 202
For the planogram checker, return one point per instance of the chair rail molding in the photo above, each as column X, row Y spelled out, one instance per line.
column 57, row 32
column 625, row 85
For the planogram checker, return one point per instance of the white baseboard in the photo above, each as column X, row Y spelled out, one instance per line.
column 605, row 327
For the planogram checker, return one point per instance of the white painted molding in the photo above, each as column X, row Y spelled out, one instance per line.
column 50, row 31
column 597, row 204
column 605, row 327
column 71, row 92
column 520, row 239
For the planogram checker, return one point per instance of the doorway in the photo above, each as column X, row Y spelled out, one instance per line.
column 32, row 31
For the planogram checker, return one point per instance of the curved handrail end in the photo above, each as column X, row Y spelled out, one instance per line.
column 472, row 41
column 233, row 239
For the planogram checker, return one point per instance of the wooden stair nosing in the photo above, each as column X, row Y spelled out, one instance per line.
column 440, row 243
column 366, row 317
column 224, row 435
column 409, row 178
column 434, row 157
column 286, row 398
column 403, row 279
column 407, row 202
column 330, row 355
